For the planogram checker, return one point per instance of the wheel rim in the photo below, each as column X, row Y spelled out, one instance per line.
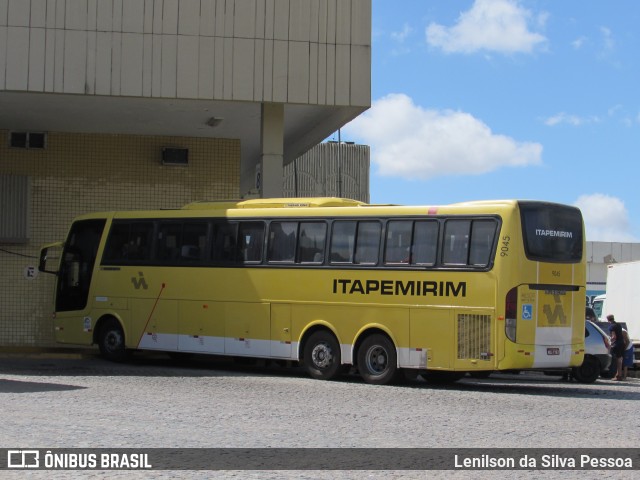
column 113, row 341
column 322, row 355
column 377, row 359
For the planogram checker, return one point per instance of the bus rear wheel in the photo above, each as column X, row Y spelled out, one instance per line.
column 378, row 360
column 111, row 341
column 322, row 356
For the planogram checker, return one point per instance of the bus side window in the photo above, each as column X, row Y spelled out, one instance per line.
column 425, row 243
column 398, row 243
column 251, row 240
column 368, row 242
column 169, row 241
column 343, row 236
column 456, row 242
column 282, row 241
column 128, row 242
column 116, row 248
column 225, row 245
column 482, row 236
column 311, row 242
column 140, row 241
column 193, row 246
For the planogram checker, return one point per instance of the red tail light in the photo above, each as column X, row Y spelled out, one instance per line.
column 511, row 314
column 511, row 304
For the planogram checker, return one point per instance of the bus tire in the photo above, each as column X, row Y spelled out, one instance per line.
column 588, row 372
column 322, row 355
column 111, row 341
column 378, row 360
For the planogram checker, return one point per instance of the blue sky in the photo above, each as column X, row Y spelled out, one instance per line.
column 487, row 99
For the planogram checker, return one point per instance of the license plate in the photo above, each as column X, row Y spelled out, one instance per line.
column 553, row 351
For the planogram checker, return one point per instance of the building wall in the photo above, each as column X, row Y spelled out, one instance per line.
column 330, row 170
column 80, row 173
column 296, row 51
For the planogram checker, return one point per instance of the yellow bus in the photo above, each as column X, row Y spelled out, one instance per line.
column 333, row 284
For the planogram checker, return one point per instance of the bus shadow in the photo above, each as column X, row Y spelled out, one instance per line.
column 145, row 364
column 539, row 386
column 19, row 386
column 151, row 364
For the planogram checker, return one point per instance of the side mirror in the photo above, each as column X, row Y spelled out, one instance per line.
column 44, row 252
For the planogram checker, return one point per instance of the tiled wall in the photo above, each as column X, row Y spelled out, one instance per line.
column 80, row 173
column 312, row 51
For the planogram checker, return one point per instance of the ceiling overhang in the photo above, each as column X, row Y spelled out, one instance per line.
column 304, row 125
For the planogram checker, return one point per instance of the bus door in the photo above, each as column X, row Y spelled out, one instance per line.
column 74, row 280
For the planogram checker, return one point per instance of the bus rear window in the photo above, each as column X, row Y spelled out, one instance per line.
column 552, row 233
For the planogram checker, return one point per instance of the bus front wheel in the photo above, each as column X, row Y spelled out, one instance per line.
column 377, row 360
column 111, row 341
column 322, row 355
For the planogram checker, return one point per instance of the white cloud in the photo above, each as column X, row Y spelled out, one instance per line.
column 570, row 119
column 607, row 39
column 606, row 218
column 579, row 42
column 412, row 142
column 494, row 25
column 402, row 35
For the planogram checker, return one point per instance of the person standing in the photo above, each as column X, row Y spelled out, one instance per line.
column 627, row 360
column 617, row 345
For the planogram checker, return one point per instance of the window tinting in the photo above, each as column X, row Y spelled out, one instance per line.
column 194, row 238
column 282, row 241
column 412, row 242
column 455, row 248
column 129, row 242
column 251, row 240
column 552, row 233
column 343, row 237
column 482, row 236
column 368, row 242
column 311, row 242
column 425, row 243
column 398, row 245
column 355, row 242
column 224, row 244
column 169, row 241
column 468, row 242
column 181, row 242
column 76, row 266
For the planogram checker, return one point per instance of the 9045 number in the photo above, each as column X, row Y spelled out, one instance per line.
column 504, row 246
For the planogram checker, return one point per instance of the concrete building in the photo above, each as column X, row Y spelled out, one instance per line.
column 134, row 104
column 330, row 170
column 601, row 254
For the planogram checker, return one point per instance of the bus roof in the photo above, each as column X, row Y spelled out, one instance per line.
column 314, row 205
column 274, row 203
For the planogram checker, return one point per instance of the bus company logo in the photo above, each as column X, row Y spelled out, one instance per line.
column 23, row 459
column 420, row 288
column 139, row 281
column 557, row 315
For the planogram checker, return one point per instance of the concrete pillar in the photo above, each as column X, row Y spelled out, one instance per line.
column 272, row 150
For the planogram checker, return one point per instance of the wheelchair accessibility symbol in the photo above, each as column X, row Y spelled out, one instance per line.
column 527, row 311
